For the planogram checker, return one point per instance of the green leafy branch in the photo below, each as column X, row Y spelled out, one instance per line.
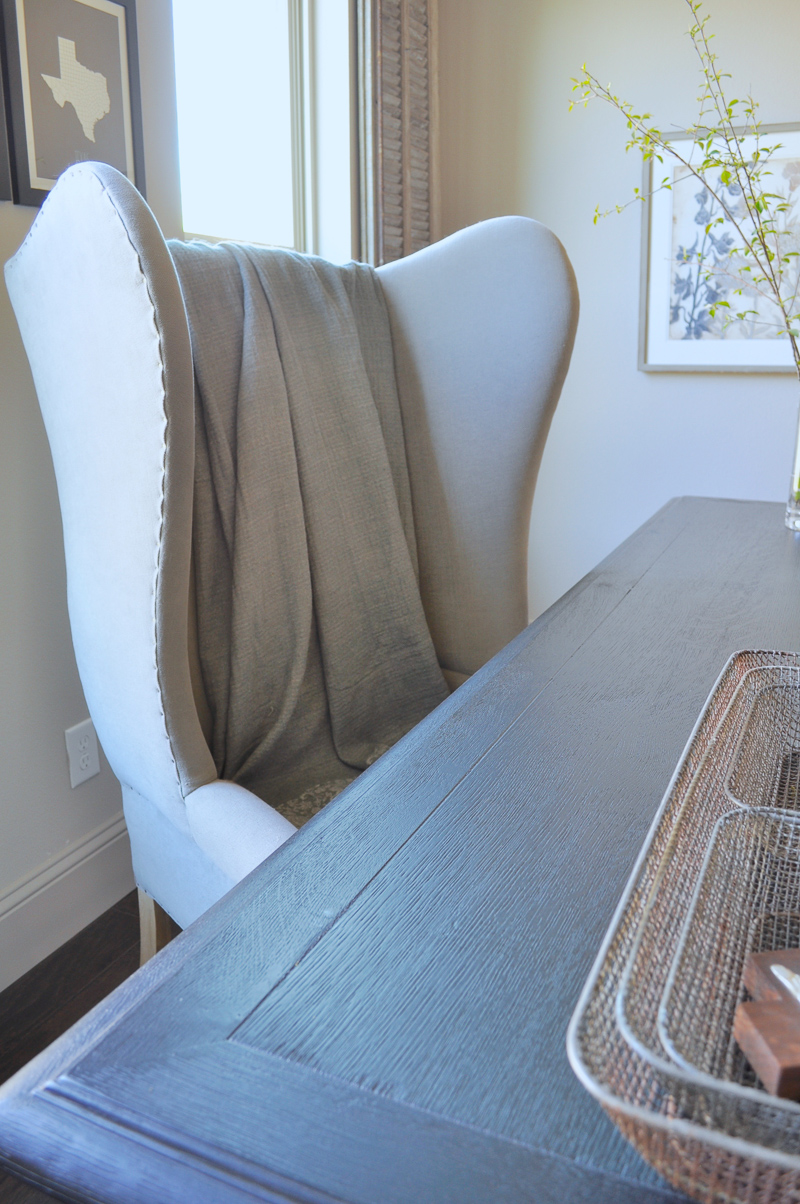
column 718, row 161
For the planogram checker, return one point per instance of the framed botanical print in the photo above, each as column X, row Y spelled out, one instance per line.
column 72, row 90
column 699, row 312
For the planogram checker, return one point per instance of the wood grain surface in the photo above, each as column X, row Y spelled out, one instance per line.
column 378, row 1013
column 397, row 126
column 12, row 1191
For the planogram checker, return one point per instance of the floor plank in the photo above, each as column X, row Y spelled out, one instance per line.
column 52, row 996
column 12, row 1191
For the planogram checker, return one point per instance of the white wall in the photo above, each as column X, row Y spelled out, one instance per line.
column 63, row 852
column 622, row 442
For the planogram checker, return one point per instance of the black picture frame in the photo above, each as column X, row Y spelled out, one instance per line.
column 6, row 190
column 54, row 116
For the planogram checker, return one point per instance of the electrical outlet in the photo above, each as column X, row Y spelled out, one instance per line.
column 84, row 758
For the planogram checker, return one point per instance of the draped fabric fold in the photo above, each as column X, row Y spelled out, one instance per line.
column 314, row 652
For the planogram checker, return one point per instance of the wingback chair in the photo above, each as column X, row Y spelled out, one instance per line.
column 482, row 326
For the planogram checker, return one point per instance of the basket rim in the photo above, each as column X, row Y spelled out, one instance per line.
column 673, row 1125
column 679, row 1069
column 655, row 886
column 732, row 767
column 678, row 1060
column 580, row 1067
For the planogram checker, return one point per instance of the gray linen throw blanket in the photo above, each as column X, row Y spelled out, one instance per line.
column 314, row 652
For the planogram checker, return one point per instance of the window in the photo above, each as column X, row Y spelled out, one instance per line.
column 264, row 121
column 309, row 124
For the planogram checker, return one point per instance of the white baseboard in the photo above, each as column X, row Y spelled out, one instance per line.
column 47, row 907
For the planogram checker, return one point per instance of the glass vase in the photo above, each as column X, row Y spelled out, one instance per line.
column 793, row 505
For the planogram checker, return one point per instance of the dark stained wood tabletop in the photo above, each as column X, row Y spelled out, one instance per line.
column 378, row 1013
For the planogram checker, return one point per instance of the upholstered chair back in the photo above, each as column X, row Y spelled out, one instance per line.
column 482, row 324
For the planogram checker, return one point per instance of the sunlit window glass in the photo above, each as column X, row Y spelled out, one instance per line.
column 234, row 119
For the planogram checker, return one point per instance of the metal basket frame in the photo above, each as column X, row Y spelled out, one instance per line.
column 708, row 1163
column 726, row 844
column 712, row 1102
column 738, row 753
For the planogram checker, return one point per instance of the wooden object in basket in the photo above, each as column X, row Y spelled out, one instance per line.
column 767, row 1027
column 762, row 984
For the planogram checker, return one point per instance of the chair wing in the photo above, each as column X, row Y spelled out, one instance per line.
column 103, row 322
column 483, row 324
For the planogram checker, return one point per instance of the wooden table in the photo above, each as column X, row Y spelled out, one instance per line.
column 378, row 1013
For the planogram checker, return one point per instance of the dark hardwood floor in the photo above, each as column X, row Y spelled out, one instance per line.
column 47, row 1000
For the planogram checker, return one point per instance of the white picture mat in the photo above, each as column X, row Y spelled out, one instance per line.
column 700, row 354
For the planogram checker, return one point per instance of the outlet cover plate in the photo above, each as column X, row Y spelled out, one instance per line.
column 82, row 751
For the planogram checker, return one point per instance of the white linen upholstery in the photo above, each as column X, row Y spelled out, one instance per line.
column 102, row 319
column 232, row 826
column 169, row 864
column 483, row 325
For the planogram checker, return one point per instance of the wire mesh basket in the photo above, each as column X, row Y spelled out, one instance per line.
column 716, row 1139
column 765, row 769
column 747, row 900
column 734, row 758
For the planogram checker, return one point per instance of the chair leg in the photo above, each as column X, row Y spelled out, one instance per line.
column 156, row 927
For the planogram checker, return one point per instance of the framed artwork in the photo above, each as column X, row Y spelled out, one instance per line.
column 690, row 261
column 6, row 192
column 72, row 90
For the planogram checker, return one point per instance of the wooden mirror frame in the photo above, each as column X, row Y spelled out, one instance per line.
column 397, row 89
